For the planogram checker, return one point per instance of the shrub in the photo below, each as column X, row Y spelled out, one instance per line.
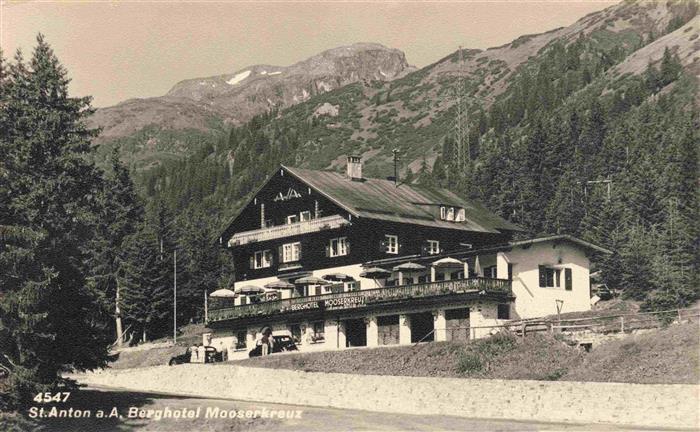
column 468, row 363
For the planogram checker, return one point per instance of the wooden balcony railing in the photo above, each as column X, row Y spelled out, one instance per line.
column 297, row 228
column 351, row 299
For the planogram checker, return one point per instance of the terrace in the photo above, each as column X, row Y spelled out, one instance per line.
column 355, row 299
column 280, row 231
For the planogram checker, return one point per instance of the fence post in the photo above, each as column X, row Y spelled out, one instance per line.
column 622, row 324
column 551, row 328
column 680, row 319
column 523, row 328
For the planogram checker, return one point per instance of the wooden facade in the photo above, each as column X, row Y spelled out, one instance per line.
column 287, row 211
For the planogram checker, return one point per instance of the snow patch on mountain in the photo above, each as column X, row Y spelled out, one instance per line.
column 238, row 78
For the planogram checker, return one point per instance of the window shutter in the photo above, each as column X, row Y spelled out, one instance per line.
column 270, row 258
column 328, row 251
column 347, row 247
column 424, row 248
column 251, row 262
column 543, row 276
column 299, row 251
column 568, row 281
column 280, row 253
column 383, row 245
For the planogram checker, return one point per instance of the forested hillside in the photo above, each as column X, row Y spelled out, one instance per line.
column 577, row 139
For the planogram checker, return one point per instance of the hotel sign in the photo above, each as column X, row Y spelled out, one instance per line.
column 344, row 303
column 330, row 304
column 305, row 306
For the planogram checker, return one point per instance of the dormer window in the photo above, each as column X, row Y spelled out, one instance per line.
column 292, row 219
column 452, row 214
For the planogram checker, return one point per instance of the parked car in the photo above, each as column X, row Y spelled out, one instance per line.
column 180, row 359
column 281, row 344
column 211, row 355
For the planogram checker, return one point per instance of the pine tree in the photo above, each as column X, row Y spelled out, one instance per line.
column 146, row 299
column 122, row 212
column 52, row 320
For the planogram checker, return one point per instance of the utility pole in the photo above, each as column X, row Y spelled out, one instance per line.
column 396, row 166
column 175, row 296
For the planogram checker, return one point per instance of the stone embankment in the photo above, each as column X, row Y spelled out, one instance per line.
column 640, row 405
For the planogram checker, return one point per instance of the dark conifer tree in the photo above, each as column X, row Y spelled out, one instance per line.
column 52, row 320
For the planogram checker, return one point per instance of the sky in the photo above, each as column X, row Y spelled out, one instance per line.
column 117, row 50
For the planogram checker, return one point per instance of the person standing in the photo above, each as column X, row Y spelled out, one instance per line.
column 266, row 341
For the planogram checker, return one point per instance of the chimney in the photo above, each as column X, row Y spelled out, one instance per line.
column 355, row 168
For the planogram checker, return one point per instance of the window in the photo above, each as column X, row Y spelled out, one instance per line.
column 339, row 247
column 455, row 214
column 392, row 244
column 433, row 247
column 268, row 223
column 549, row 277
column 292, row 219
column 305, row 216
column 490, row 272
column 353, row 286
column 263, row 259
column 319, row 331
column 568, row 280
column 503, row 311
column 291, row 252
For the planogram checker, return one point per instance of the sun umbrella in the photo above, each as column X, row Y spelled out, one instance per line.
column 311, row 280
column 448, row 263
column 307, row 281
column 409, row 267
column 477, row 266
column 280, row 284
column 223, row 293
column 338, row 277
column 375, row 273
column 250, row 290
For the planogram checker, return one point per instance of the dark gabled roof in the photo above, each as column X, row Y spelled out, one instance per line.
column 381, row 199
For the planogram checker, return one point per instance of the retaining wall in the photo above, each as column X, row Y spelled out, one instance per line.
column 641, row 405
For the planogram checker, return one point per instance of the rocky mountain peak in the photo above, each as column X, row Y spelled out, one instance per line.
column 236, row 97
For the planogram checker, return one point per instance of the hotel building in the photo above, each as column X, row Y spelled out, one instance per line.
column 338, row 260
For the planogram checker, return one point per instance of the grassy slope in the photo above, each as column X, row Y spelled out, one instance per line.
column 665, row 356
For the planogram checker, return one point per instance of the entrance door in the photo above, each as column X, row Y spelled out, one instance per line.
column 422, row 327
column 457, row 322
column 388, row 328
column 355, row 333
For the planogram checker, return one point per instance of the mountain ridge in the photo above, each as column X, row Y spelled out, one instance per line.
column 235, row 98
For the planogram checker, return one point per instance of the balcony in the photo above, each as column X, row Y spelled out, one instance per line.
column 353, row 299
column 281, row 231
